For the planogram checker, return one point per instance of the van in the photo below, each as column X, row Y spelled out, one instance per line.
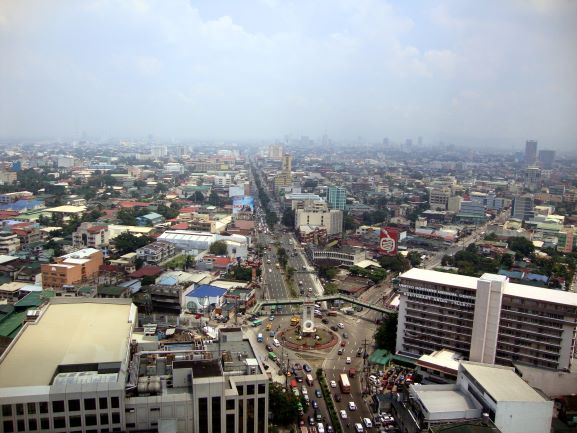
column 373, row 379
column 259, row 338
column 276, row 342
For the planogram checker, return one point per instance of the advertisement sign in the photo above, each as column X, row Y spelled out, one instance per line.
column 235, row 191
column 243, row 204
column 388, row 241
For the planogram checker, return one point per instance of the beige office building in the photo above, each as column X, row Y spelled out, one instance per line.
column 488, row 319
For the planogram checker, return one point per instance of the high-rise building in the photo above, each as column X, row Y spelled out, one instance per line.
column 317, row 214
column 546, row 159
column 530, row 152
column 488, row 319
column 337, row 197
column 287, row 163
column 523, row 208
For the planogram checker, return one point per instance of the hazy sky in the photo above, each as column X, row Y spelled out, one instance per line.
column 471, row 72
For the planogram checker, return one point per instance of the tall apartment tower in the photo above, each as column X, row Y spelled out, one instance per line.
column 546, row 159
column 530, row 152
column 337, row 197
column 287, row 163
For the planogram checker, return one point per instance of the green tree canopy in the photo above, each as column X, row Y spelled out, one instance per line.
column 386, row 334
column 283, row 405
column 521, row 245
column 218, row 248
column 128, row 243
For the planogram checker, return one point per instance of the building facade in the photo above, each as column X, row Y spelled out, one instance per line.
column 488, row 319
column 91, row 235
column 156, row 252
column 523, row 208
column 71, row 269
column 530, row 152
column 318, row 214
column 337, row 197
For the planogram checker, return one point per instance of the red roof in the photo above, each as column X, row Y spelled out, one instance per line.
column 110, row 268
column 180, row 226
column 8, row 214
column 189, row 209
column 96, row 229
column 147, row 271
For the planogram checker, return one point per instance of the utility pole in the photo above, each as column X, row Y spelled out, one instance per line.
column 365, row 366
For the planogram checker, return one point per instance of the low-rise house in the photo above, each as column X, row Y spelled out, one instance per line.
column 156, row 252
column 150, row 219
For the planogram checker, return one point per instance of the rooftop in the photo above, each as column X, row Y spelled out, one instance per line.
column 80, row 254
column 67, row 209
column 512, row 289
column 444, row 398
column 501, row 383
column 88, row 331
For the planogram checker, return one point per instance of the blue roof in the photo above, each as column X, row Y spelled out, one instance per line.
column 168, row 281
column 206, row 290
column 21, row 205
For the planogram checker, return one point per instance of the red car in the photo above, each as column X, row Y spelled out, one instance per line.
column 343, row 343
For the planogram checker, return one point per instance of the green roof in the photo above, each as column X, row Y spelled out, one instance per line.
column 10, row 326
column 380, row 356
column 32, row 299
column 111, row 291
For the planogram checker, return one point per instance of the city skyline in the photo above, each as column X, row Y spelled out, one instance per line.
column 490, row 75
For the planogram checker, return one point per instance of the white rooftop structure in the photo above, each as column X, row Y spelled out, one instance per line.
column 80, row 254
column 70, row 331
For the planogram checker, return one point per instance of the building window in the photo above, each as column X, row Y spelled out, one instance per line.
column 115, row 402
column 73, row 405
column 90, row 420
column 89, row 404
column 250, row 390
column 103, row 419
column 103, row 402
column 230, row 404
column 19, row 409
column 203, row 414
column 240, row 389
column 43, row 405
column 230, row 425
column 44, row 423
column 261, row 413
column 32, row 424
column 75, row 421
column 216, row 422
column 31, row 408
column 59, row 422
column 8, row 426
column 250, row 414
column 6, row 410
column 58, row 406
column 115, row 417
column 130, row 425
column 261, row 388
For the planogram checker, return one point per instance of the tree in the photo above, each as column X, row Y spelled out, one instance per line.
column 139, row 183
column 160, row 188
column 288, row 218
column 386, row 334
column 396, row 263
column 147, row 280
column 128, row 243
column 198, row 197
column 126, row 217
column 214, row 199
column 414, row 258
column 349, row 222
column 283, row 405
column 521, row 245
column 188, row 263
column 139, row 262
column 218, row 248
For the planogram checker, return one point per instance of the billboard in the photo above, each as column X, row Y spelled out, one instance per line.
column 243, row 203
column 235, row 191
column 389, row 238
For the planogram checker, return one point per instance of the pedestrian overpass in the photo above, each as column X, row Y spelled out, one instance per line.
column 295, row 301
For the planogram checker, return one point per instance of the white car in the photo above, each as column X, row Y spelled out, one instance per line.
column 343, row 414
column 341, row 325
column 352, row 405
column 348, row 361
column 270, row 270
column 359, row 428
column 368, row 423
column 333, row 384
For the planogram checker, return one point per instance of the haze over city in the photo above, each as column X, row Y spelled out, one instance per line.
column 484, row 74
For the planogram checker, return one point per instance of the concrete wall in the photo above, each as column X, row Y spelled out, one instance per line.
column 524, row 417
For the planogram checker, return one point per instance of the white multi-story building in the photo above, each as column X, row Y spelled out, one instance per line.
column 488, row 394
column 488, row 319
column 82, row 366
column 317, row 214
column 156, row 252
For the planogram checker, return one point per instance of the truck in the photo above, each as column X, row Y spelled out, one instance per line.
column 344, row 384
column 272, row 356
column 295, row 320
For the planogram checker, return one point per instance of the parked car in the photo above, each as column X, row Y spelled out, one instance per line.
column 343, row 414
column 307, row 368
column 318, row 393
column 348, row 361
column 333, row 384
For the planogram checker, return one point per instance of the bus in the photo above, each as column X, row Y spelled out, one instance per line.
column 257, row 322
column 272, row 356
column 345, row 384
column 310, row 380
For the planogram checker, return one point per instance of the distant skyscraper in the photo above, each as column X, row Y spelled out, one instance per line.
column 287, row 163
column 546, row 159
column 385, row 141
column 530, row 152
column 337, row 197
